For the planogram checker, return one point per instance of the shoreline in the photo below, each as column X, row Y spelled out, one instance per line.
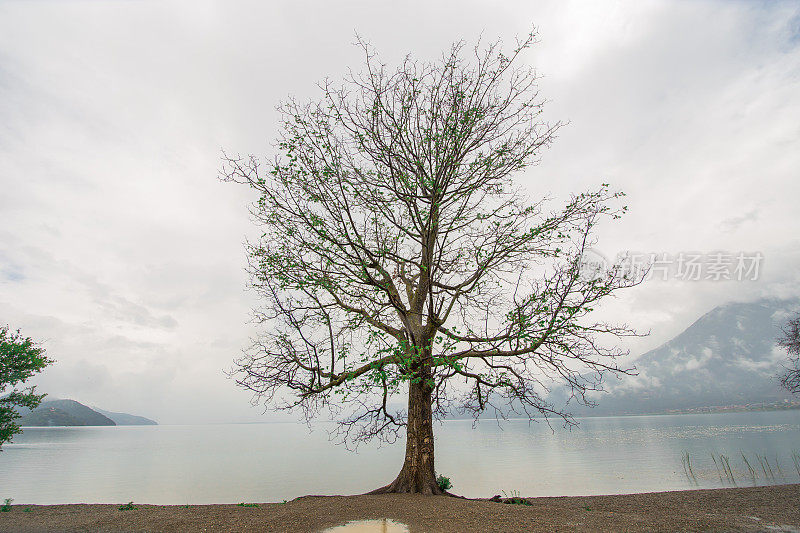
column 765, row 508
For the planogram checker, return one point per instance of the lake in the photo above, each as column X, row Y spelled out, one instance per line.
column 271, row 462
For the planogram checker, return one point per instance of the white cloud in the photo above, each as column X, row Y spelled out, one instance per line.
column 122, row 251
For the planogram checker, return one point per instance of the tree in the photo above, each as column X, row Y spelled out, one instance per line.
column 790, row 379
column 398, row 256
column 20, row 358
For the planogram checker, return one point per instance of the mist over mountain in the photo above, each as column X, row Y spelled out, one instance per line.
column 728, row 357
column 124, row 419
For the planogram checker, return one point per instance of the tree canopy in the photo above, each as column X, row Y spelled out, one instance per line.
column 20, row 359
column 399, row 258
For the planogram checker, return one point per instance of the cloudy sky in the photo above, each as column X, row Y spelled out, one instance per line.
column 122, row 252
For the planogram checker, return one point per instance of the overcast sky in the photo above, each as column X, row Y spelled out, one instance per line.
column 122, row 252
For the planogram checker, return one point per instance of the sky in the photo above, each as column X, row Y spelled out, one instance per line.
column 122, row 252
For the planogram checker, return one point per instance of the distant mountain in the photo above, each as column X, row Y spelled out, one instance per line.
column 64, row 413
column 124, row 419
column 728, row 357
column 72, row 413
column 50, row 417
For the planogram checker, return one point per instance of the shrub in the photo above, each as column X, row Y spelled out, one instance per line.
column 443, row 482
column 515, row 499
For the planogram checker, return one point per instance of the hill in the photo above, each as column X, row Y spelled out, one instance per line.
column 50, row 417
column 124, row 419
column 71, row 413
column 64, row 413
column 726, row 359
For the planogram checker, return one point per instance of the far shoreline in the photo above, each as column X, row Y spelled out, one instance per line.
column 582, row 416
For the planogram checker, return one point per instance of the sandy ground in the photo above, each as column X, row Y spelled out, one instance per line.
column 744, row 509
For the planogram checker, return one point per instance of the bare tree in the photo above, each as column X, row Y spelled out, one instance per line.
column 398, row 255
column 790, row 379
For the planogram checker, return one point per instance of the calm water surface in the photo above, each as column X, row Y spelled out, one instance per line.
column 272, row 462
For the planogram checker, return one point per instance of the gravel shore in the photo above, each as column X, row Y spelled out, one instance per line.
column 774, row 509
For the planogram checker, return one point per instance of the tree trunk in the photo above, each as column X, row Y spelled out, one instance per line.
column 417, row 475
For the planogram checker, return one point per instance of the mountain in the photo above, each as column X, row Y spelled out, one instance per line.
column 72, row 413
column 728, row 357
column 50, row 417
column 64, row 413
column 124, row 419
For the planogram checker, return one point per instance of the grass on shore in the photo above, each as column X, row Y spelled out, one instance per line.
column 762, row 470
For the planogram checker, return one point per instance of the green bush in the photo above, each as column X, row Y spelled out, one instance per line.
column 6, row 506
column 443, row 482
column 127, row 507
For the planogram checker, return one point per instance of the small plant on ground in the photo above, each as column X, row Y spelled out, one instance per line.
column 247, row 504
column 187, row 506
column 127, row 507
column 28, row 510
column 515, row 499
column 6, row 506
column 443, row 482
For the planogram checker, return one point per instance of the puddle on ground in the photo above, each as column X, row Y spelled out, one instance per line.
column 384, row 525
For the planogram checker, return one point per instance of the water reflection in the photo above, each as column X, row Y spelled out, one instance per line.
column 384, row 525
